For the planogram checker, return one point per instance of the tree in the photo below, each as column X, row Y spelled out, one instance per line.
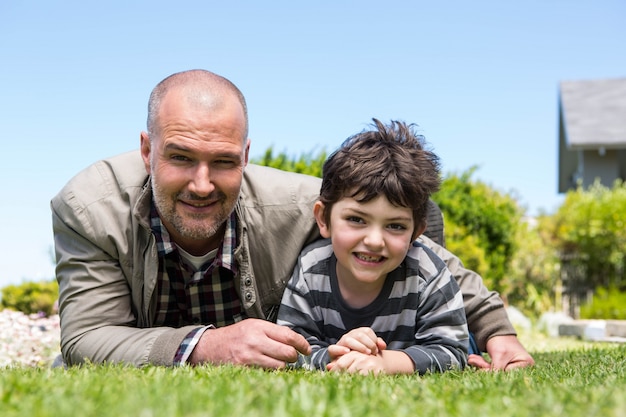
column 590, row 230
column 534, row 274
column 31, row 297
column 306, row 164
column 481, row 224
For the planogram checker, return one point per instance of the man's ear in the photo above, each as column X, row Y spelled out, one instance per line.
column 146, row 148
column 246, row 152
column 318, row 213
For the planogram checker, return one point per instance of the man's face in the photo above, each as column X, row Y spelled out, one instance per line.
column 196, row 159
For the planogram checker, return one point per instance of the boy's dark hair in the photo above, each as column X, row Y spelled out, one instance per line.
column 389, row 160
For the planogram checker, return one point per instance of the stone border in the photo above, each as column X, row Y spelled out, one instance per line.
column 595, row 330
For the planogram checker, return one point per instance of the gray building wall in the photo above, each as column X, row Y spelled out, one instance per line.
column 600, row 166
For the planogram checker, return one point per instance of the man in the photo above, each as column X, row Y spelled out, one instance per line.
column 180, row 253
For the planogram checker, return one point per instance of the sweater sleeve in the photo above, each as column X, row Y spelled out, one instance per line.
column 441, row 328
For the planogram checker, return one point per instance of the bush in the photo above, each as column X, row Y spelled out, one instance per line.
column 534, row 279
column 590, row 228
column 490, row 217
column 606, row 304
column 308, row 163
column 31, row 297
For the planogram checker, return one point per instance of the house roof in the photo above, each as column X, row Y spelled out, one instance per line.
column 593, row 113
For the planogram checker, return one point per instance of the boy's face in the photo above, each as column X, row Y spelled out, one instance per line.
column 369, row 239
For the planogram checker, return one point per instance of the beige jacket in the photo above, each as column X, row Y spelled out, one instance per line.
column 107, row 260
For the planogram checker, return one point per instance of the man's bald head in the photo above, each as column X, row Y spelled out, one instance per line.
column 199, row 86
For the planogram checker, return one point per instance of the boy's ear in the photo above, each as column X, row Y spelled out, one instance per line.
column 419, row 230
column 318, row 213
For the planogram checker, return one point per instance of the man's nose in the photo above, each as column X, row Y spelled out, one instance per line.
column 201, row 183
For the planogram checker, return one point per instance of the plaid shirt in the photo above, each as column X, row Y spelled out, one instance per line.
column 187, row 296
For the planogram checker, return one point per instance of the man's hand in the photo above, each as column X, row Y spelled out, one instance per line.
column 251, row 342
column 506, row 353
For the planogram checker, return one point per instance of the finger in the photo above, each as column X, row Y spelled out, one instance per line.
column 335, row 351
column 367, row 336
column 339, row 364
column 288, row 337
column 345, row 362
column 507, row 363
column 381, row 344
column 357, row 344
column 362, row 340
column 517, row 365
column 478, row 362
column 364, row 365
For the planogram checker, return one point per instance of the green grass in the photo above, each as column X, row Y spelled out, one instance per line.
column 586, row 380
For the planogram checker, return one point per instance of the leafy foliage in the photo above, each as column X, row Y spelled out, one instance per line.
column 465, row 245
column 534, row 274
column 590, row 229
column 306, row 164
column 481, row 223
column 608, row 304
column 31, row 297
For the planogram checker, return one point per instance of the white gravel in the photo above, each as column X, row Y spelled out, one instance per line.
column 28, row 340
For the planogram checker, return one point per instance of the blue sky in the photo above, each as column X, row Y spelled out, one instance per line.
column 480, row 78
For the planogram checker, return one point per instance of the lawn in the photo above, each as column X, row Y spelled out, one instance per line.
column 570, row 379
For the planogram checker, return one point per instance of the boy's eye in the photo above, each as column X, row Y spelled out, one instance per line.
column 397, row 227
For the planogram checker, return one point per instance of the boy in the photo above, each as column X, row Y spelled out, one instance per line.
column 368, row 298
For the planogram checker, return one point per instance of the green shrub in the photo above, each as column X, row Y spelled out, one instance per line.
column 308, row 163
column 590, row 228
column 490, row 217
column 606, row 304
column 31, row 297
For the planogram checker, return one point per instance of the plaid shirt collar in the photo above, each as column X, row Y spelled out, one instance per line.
column 225, row 256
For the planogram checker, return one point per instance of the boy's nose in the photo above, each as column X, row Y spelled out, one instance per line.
column 374, row 238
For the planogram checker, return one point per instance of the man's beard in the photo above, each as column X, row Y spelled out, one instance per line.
column 191, row 227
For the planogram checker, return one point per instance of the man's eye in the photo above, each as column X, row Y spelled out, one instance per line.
column 180, row 158
column 354, row 219
column 225, row 162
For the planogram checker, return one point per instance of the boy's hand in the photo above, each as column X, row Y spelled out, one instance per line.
column 357, row 362
column 362, row 340
column 386, row 361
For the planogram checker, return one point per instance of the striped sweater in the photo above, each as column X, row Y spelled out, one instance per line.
column 419, row 310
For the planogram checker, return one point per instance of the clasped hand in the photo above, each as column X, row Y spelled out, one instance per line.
column 358, row 351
